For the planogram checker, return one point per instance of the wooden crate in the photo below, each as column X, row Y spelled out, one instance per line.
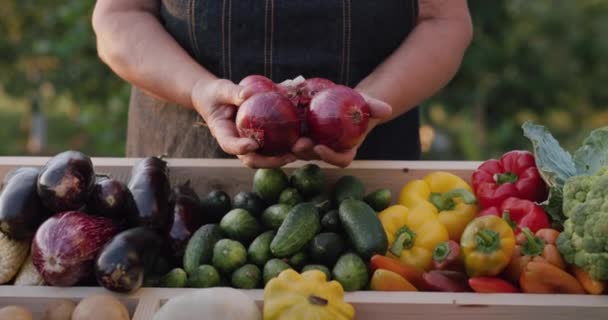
column 231, row 176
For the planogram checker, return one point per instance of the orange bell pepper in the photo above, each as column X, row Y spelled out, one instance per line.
column 539, row 248
column 590, row 285
column 543, row 277
column 408, row 272
column 385, row 280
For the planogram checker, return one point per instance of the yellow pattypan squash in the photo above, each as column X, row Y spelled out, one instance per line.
column 294, row 296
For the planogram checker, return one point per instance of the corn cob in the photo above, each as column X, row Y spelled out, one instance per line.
column 28, row 275
column 12, row 255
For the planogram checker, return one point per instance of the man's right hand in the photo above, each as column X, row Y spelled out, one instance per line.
column 217, row 102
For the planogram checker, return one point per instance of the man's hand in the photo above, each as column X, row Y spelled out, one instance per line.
column 305, row 148
column 217, row 102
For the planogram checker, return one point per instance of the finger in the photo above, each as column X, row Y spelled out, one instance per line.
column 226, row 92
column 229, row 140
column 304, row 149
column 378, row 108
column 256, row 161
column 335, row 158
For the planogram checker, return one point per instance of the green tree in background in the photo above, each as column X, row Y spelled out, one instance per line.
column 538, row 60
column 49, row 56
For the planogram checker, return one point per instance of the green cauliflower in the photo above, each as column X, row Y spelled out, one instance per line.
column 584, row 241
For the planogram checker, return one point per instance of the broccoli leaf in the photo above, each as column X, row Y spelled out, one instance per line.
column 593, row 154
column 554, row 163
column 553, row 207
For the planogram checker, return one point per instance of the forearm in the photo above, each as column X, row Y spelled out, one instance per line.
column 424, row 63
column 134, row 44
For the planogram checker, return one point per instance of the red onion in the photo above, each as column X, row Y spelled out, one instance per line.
column 258, row 83
column 271, row 120
column 337, row 118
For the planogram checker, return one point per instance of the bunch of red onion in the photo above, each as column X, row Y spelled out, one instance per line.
column 276, row 115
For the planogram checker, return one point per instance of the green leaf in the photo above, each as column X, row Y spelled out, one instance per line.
column 553, row 207
column 554, row 163
column 593, row 154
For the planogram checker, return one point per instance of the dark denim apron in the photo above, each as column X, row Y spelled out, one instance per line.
column 341, row 40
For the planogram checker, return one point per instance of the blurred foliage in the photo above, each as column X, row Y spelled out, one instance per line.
column 539, row 60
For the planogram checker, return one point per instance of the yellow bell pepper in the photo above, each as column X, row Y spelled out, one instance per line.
column 487, row 246
column 412, row 235
column 294, row 296
column 444, row 194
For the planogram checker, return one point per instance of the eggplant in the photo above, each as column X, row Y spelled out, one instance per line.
column 151, row 189
column 123, row 263
column 21, row 211
column 112, row 199
column 66, row 181
column 66, row 245
column 187, row 217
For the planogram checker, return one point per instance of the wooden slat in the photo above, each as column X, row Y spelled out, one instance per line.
column 368, row 305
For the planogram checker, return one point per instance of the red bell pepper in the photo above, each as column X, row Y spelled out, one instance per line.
column 445, row 281
column 491, row 285
column 446, row 256
column 513, row 175
column 520, row 214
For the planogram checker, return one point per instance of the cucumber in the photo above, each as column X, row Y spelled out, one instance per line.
column 298, row 260
column 290, row 197
column 215, row 205
column 273, row 268
column 239, row 224
column 249, row 201
column 176, row 278
column 325, row 248
column 319, row 267
column 300, row 226
column 273, row 216
column 228, row 255
column 379, row 199
column 322, row 202
column 199, row 249
column 350, row 270
column 248, row 276
column 259, row 249
column 331, row 221
column 309, row 180
column 348, row 187
column 363, row 228
column 205, row 276
column 269, row 183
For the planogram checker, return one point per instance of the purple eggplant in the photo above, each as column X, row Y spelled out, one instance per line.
column 21, row 211
column 112, row 199
column 124, row 261
column 187, row 217
column 66, row 181
column 151, row 188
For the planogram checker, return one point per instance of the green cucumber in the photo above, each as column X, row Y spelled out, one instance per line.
column 259, row 249
column 273, row 216
column 249, row 201
column 379, row 199
column 199, row 249
column 351, row 272
column 248, row 276
column 325, row 248
column 229, row 255
column 273, row 268
column 298, row 260
column 239, row 224
column 309, row 180
column 290, row 197
column 300, row 226
column 176, row 278
column 205, row 276
column 331, row 221
column 363, row 228
column 348, row 187
column 319, row 267
column 269, row 183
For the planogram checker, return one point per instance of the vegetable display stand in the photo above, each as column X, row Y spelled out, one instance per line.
column 232, row 177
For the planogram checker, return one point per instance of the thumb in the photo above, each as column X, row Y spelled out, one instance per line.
column 227, row 92
column 379, row 109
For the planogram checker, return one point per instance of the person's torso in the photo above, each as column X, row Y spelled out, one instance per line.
column 341, row 40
